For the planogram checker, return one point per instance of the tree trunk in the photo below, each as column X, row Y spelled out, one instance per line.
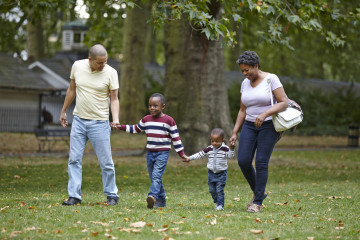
column 35, row 37
column 132, row 83
column 196, row 89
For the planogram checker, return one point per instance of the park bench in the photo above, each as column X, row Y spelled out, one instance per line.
column 46, row 137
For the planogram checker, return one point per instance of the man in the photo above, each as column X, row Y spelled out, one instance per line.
column 92, row 80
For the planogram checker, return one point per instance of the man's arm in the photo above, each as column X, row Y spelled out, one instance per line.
column 69, row 97
column 115, row 107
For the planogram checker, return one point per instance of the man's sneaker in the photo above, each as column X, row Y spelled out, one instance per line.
column 71, row 201
column 150, row 201
column 112, row 200
column 160, row 203
column 219, row 207
column 253, row 198
column 254, row 208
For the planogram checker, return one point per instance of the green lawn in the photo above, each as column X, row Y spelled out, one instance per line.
column 312, row 195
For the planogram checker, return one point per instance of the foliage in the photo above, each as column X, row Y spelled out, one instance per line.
column 107, row 22
column 15, row 15
column 325, row 112
column 317, row 16
column 306, row 200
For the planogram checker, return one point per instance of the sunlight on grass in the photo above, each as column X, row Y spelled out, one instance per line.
column 312, row 195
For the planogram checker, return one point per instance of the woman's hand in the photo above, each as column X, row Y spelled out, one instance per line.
column 260, row 119
column 232, row 140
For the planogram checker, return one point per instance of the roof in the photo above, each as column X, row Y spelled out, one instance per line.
column 14, row 74
column 76, row 25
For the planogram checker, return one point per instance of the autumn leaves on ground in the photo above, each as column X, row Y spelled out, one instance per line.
column 312, row 194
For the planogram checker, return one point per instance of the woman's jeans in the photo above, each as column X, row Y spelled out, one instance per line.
column 98, row 132
column 156, row 164
column 217, row 182
column 262, row 141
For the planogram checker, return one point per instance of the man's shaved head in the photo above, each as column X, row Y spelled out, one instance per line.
column 97, row 50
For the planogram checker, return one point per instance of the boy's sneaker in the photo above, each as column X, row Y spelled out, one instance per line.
column 72, row 201
column 160, row 203
column 219, row 207
column 150, row 201
column 112, row 200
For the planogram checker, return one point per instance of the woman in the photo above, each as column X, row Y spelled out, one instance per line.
column 257, row 130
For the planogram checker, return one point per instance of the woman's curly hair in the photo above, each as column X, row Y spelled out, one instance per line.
column 249, row 58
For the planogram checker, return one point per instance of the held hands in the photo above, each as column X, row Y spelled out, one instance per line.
column 232, row 141
column 185, row 158
column 115, row 125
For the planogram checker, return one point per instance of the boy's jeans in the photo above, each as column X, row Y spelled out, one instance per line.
column 156, row 164
column 262, row 140
column 217, row 183
column 98, row 132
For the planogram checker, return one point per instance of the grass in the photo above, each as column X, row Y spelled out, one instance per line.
column 312, row 194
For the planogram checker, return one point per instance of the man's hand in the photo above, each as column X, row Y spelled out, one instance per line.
column 63, row 120
column 115, row 125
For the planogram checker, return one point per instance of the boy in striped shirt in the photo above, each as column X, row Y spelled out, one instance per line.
column 217, row 154
column 160, row 130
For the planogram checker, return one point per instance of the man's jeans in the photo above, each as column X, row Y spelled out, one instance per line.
column 262, row 140
column 217, row 182
column 156, row 164
column 98, row 132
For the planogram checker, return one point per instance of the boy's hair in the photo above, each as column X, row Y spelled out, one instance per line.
column 218, row 132
column 249, row 58
column 162, row 98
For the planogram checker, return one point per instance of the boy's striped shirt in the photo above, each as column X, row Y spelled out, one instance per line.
column 160, row 133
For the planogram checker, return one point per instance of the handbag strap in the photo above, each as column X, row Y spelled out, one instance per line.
column 271, row 95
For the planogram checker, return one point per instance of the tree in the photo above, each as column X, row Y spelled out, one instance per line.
column 132, row 84
column 196, row 109
column 195, row 86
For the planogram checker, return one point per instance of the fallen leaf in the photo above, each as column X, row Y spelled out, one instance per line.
column 17, row 176
column 57, row 231
column 221, row 238
column 213, row 222
column 168, row 238
column 160, row 230
column 149, row 224
column 258, row 220
column 110, row 236
column 165, row 225
column 236, row 199
column 94, row 234
column 310, row 238
column 22, row 204
column 101, row 223
column 30, row 229
column 341, row 228
column 3, row 209
column 256, row 231
column 138, row 224
column 134, row 230
column 181, row 222
column 126, row 219
column 14, row 234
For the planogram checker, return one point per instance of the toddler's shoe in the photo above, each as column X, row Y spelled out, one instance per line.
column 219, row 207
column 150, row 201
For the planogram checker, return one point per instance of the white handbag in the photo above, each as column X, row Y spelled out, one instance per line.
column 289, row 118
